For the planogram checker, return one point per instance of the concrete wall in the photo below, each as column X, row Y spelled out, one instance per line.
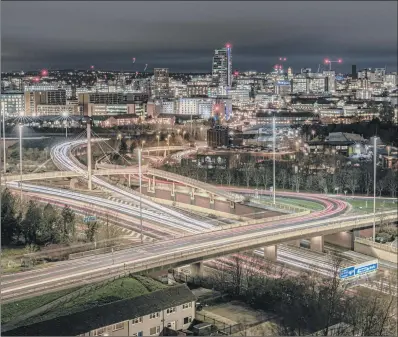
column 342, row 239
column 375, row 252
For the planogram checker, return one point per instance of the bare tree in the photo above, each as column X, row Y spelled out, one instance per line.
column 391, row 182
column 353, row 180
column 228, row 176
column 380, row 186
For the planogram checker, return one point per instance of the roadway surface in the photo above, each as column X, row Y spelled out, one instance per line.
column 88, row 269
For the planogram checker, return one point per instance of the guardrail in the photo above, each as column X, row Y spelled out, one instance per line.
column 279, row 205
column 196, row 183
column 382, row 246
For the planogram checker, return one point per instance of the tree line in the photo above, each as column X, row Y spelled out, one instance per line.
column 33, row 224
column 304, row 174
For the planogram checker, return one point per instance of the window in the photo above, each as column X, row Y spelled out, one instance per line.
column 187, row 319
column 136, row 320
column 155, row 330
column 187, row 305
column 118, row 326
column 154, row 315
column 170, row 310
column 137, row 334
column 99, row 332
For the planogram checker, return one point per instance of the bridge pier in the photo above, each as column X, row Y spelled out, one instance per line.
column 153, row 184
column 317, row 243
column 129, row 180
column 296, row 243
column 271, row 253
column 197, row 269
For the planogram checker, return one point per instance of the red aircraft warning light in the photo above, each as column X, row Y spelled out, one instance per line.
column 44, row 72
column 228, row 45
column 91, row 67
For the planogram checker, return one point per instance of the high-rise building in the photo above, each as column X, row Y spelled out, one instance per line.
column 161, row 82
column 354, row 74
column 330, row 80
column 222, row 67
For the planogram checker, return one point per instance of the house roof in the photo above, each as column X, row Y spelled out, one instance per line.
column 344, row 137
column 107, row 314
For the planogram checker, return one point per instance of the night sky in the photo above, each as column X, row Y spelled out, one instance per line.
column 183, row 35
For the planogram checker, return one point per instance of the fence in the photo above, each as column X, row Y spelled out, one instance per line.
column 218, row 326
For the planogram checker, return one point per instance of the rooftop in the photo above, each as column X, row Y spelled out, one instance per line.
column 106, row 314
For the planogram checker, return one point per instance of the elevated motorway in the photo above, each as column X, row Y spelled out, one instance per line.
column 181, row 251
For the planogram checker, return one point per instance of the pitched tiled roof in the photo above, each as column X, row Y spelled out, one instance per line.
column 104, row 315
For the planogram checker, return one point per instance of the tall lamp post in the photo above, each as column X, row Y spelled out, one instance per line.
column 4, row 146
column 273, row 157
column 20, row 158
column 65, row 114
column 140, row 174
column 374, row 185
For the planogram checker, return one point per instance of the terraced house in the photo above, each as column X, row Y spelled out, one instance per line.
column 147, row 315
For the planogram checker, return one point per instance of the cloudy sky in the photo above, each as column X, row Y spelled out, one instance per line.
column 182, row 35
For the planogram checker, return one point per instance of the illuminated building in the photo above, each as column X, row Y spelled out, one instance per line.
column 12, row 103
column 161, row 82
column 222, row 67
column 44, row 98
column 331, row 80
column 300, row 84
column 289, row 73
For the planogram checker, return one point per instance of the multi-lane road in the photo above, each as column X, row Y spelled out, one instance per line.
column 204, row 238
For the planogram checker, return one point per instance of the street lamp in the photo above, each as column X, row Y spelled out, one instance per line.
column 273, row 156
column 140, row 174
column 374, row 185
column 4, row 145
column 20, row 157
column 65, row 114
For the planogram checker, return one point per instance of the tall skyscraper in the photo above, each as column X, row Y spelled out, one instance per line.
column 161, row 82
column 222, row 67
column 354, row 74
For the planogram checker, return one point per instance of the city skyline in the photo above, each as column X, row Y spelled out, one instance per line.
column 259, row 34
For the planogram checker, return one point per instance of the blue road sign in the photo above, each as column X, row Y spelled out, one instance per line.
column 360, row 269
column 347, row 272
column 366, row 269
column 89, row 218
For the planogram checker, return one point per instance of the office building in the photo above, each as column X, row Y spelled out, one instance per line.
column 161, row 83
column 44, row 98
column 354, row 74
column 197, row 89
column 12, row 104
column 330, row 80
column 218, row 136
column 222, row 67
column 300, row 84
column 283, row 88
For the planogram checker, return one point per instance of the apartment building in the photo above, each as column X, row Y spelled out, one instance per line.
column 147, row 315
